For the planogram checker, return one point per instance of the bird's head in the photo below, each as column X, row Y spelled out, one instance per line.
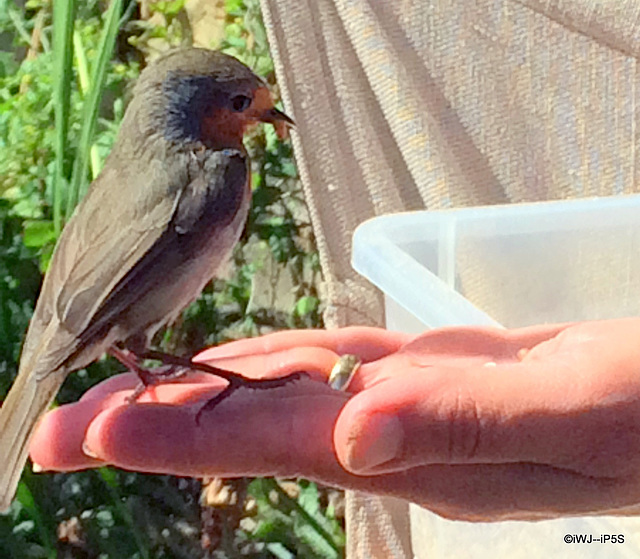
column 199, row 95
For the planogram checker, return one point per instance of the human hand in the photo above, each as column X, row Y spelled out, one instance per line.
column 473, row 423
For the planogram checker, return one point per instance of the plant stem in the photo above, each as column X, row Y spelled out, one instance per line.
column 63, row 20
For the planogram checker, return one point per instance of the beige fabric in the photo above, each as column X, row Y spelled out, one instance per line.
column 417, row 104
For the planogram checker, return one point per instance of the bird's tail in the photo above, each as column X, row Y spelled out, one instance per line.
column 28, row 399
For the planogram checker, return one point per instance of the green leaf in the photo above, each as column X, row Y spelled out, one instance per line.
column 25, row 497
column 38, row 233
column 319, row 545
column 237, row 42
column 167, row 7
column 288, row 169
column 308, row 498
column 306, row 305
column 280, row 551
column 8, row 65
column 234, row 7
column 45, row 257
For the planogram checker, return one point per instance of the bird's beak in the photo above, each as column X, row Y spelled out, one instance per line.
column 281, row 122
column 274, row 116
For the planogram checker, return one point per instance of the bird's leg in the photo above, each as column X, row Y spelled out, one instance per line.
column 187, row 363
column 125, row 357
column 147, row 377
column 178, row 366
column 235, row 380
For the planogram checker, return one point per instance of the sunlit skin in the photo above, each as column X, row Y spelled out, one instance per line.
column 473, row 423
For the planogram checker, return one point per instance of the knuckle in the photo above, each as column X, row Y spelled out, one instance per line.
column 464, row 428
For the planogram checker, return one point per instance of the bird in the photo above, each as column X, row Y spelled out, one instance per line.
column 156, row 225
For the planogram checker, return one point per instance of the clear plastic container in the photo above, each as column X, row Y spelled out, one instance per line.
column 511, row 265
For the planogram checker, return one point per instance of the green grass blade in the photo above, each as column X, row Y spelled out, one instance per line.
column 27, row 499
column 109, row 479
column 63, row 21
column 81, row 62
column 84, row 80
column 18, row 24
column 312, row 522
column 92, row 102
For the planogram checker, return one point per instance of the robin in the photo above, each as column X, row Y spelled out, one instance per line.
column 156, row 225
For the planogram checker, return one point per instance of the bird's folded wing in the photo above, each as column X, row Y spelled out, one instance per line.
column 201, row 210
column 116, row 235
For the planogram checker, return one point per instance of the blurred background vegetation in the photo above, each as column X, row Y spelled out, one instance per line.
column 66, row 70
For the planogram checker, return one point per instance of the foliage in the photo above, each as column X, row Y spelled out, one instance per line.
column 294, row 525
column 78, row 77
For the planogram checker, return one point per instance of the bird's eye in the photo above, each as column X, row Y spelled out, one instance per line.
column 240, row 103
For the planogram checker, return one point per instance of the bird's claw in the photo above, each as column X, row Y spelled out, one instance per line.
column 154, row 377
column 253, row 383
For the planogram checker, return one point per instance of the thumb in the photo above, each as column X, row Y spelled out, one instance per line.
column 512, row 413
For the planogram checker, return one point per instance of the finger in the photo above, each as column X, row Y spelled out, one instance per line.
column 456, row 347
column 368, row 343
column 530, row 336
column 282, row 353
column 273, row 431
column 258, row 433
column 544, row 413
column 287, row 432
column 131, row 381
column 57, row 444
column 473, row 345
column 317, row 362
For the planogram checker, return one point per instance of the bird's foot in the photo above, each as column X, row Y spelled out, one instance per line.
column 252, row 383
column 176, row 367
column 148, row 377
column 153, row 377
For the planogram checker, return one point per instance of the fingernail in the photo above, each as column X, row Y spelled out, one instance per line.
column 86, row 450
column 380, row 440
column 36, row 468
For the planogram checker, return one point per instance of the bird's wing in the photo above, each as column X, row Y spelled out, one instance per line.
column 218, row 185
column 118, row 233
